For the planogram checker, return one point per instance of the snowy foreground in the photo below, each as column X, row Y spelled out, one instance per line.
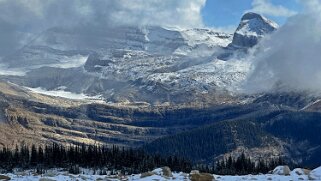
column 280, row 173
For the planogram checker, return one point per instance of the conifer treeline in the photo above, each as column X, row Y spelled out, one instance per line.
column 128, row 161
column 241, row 166
column 115, row 158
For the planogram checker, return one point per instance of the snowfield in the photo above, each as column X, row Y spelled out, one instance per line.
column 65, row 94
column 163, row 174
column 154, row 60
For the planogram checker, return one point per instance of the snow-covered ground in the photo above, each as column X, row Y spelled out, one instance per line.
column 160, row 174
column 217, row 73
column 65, row 94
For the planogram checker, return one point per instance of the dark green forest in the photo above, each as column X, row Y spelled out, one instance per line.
column 128, row 161
column 87, row 156
column 202, row 144
column 207, row 142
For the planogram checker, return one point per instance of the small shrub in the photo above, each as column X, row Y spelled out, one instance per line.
column 74, row 169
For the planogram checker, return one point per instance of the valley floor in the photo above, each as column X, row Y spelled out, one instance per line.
column 160, row 175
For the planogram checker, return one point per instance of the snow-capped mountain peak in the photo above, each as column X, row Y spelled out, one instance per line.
column 147, row 60
column 251, row 29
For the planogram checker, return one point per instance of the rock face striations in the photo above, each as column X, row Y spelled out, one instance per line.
column 251, row 29
column 153, row 82
column 150, row 64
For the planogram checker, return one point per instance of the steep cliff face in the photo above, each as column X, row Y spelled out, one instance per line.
column 127, row 63
column 251, row 29
column 39, row 119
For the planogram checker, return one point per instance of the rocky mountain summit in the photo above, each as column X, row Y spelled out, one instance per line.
column 252, row 28
column 149, row 64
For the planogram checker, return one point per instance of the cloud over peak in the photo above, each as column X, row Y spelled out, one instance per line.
column 267, row 8
column 290, row 60
column 180, row 13
column 21, row 17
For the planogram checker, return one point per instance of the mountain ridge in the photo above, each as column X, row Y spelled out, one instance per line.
column 141, row 84
column 150, row 64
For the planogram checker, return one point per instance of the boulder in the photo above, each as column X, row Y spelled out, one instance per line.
column 202, row 177
column 195, row 172
column 46, row 179
column 164, row 171
column 146, row 174
column 4, row 177
column 282, row 170
column 167, row 172
column 300, row 171
column 315, row 174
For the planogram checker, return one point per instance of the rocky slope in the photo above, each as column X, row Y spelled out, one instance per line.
column 260, row 127
column 133, row 85
column 150, row 64
column 37, row 118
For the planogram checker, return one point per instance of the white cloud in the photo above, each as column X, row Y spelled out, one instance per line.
column 312, row 6
column 20, row 17
column 180, row 13
column 226, row 29
column 267, row 8
column 291, row 57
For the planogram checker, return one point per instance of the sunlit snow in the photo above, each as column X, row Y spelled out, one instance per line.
column 65, row 94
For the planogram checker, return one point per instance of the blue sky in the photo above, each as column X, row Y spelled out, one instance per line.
column 225, row 13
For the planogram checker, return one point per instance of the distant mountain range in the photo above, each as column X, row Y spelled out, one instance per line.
column 139, row 64
column 167, row 91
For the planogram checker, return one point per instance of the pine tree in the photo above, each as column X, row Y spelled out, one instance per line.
column 34, row 156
